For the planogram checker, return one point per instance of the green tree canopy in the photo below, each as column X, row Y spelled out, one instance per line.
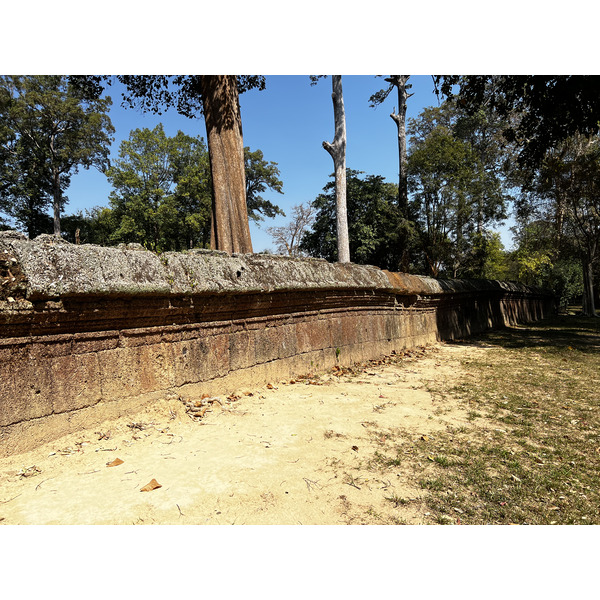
column 539, row 111
column 49, row 130
column 457, row 190
column 162, row 190
column 161, row 194
column 260, row 176
column 373, row 218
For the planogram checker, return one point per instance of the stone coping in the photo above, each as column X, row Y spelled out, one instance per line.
column 48, row 268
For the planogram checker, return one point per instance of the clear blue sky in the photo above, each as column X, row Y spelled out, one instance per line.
column 288, row 121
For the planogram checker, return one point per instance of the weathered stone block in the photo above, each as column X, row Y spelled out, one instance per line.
column 314, row 334
column 29, row 386
column 75, row 382
column 48, row 346
column 94, row 341
column 217, row 355
column 242, row 350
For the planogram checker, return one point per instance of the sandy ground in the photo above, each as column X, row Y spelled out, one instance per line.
column 290, row 453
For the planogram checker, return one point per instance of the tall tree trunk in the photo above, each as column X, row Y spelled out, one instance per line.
column 337, row 150
column 230, row 230
column 588, row 306
column 400, row 119
column 57, row 198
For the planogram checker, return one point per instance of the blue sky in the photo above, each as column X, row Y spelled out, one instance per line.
column 288, row 121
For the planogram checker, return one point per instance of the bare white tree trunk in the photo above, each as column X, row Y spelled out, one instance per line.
column 400, row 81
column 337, row 150
column 56, row 203
column 400, row 119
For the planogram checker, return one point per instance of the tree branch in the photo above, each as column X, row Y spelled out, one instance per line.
column 331, row 148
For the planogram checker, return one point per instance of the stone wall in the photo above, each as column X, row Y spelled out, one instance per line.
column 89, row 333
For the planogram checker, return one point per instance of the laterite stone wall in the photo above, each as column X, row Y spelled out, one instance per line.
column 89, row 333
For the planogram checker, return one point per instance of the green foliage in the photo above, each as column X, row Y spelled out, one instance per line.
column 566, row 280
column 373, row 222
column 558, row 226
column 539, row 112
column 380, row 96
column 48, row 130
column 457, row 193
column 162, row 192
column 488, row 259
column 161, row 196
column 156, row 93
column 260, row 176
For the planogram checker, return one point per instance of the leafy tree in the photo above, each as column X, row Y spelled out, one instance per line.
column 260, row 176
column 217, row 97
column 570, row 179
column 25, row 195
column 162, row 195
column 288, row 237
column 541, row 259
column 539, row 111
column 96, row 226
column 373, row 218
column 457, row 191
column 487, row 258
column 49, row 131
column 162, row 190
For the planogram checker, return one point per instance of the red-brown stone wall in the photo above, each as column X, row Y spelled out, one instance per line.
column 70, row 361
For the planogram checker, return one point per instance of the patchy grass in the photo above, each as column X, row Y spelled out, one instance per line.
column 531, row 451
column 534, row 451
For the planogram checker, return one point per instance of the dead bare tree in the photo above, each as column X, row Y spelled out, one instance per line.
column 400, row 83
column 287, row 238
column 337, row 150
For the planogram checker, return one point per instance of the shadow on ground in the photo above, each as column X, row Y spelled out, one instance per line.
column 556, row 333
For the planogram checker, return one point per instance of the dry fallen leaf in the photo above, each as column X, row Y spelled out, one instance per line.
column 153, row 485
column 355, row 448
column 115, row 463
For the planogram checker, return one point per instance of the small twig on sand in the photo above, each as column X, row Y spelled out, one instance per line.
column 179, row 509
column 310, row 483
column 40, row 483
column 351, row 482
column 5, row 501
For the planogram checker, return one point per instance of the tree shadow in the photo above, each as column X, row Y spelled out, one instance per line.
column 554, row 334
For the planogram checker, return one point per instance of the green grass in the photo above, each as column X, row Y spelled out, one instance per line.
column 531, row 451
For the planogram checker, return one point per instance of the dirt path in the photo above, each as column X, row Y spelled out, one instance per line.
column 297, row 453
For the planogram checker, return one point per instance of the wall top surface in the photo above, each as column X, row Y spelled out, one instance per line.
column 48, row 267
